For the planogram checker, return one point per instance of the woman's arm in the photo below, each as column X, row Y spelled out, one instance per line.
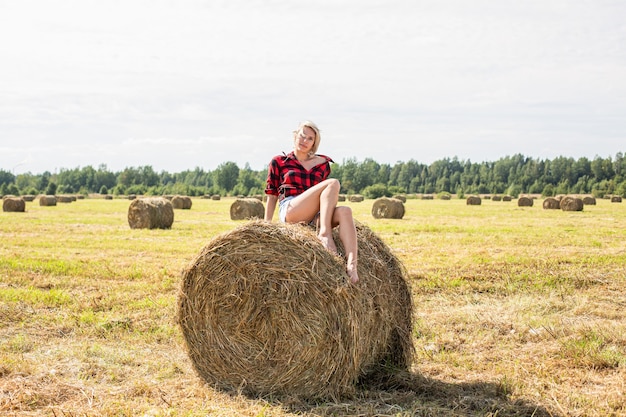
column 270, row 207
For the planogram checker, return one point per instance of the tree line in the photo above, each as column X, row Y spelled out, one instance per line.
column 510, row 175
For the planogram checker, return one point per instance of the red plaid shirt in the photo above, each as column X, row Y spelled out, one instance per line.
column 287, row 177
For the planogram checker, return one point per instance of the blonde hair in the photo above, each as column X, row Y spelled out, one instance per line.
column 318, row 136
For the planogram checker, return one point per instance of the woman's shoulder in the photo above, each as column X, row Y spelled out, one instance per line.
column 325, row 158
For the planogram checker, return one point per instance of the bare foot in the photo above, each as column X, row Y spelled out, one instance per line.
column 352, row 272
column 328, row 243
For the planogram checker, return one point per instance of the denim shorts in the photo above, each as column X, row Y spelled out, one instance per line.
column 282, row 208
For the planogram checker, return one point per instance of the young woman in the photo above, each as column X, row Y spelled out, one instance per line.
column 299, row 183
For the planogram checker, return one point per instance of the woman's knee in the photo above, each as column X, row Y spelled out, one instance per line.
column 343, row 213
column 332, row 184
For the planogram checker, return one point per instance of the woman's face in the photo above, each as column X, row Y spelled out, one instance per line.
column 304, row 140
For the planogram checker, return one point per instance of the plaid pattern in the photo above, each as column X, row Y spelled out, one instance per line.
column 287, row 177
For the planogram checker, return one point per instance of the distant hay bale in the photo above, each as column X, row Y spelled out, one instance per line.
column 28, row 197
column 524, row 202
column 216, row 197
column 246, row 209
column 569, row 203
column 267, row 310
column 108, row 197
column 473, row 201
column 47, row 200
column 258, row 197
column 445, row 197
column 496, row 198
column 400, row 197
column 132, row 196
column 356, row 198
column 616, row 199
column 551, row 203
column 64, row 199
column 13, row 204
column 427, row 197
column 181, row 202
column 342, row 197
column 150, row 213
column 388, row 208
column 589, row 201
column 507, row 198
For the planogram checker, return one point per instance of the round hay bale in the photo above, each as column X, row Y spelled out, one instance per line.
column 266, row 309
column 473, row 201
column 181, row 202
column 427, row 197
column 400, row 197
column 569, row 203
column 388, row 208
column 28, row 197
column 356, row 198
column 64, row 199
column 216, row 197
column 150, row 213
column 446, row 197
column 132, row 196
column 342, row 197
column 246, row 209
column 589, row 201
column 496, row 198
column 13, row 204
column 47, row 200
column 507, row 198
column 551, row 203
column 616, row 199
column 108, row 197
column 524, row 202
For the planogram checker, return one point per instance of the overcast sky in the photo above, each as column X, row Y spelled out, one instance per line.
column 184, row 84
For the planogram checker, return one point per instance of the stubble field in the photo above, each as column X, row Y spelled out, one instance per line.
column 518, row 312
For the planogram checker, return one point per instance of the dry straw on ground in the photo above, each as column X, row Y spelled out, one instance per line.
column 388, row 208
column 13, row 204
column 150, row 213
column 569, row 203
column 551, row 203
column 473, row 201
column 246, row 209
column 266, row 309
column 524, row 202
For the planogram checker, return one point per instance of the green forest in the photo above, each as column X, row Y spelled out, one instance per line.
column 510, row 175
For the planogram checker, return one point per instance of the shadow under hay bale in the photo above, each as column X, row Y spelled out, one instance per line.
column 473, row 201
column 150, row 213
column 246, row 209
column 388, row 208
column 13, row 204
column 569, row 203
column 266, row 309
column 524, row 202
column 551, row 203
column 181, row 202
column 47, row 200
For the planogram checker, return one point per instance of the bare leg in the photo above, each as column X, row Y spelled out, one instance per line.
column 320, row 198
column 347, row 234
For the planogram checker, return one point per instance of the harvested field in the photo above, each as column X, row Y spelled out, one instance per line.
column 516, row 312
